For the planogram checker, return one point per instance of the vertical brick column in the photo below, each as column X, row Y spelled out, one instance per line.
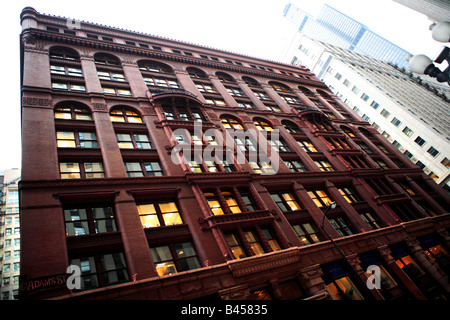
column 276, row 97
column 137, row 251
column 409, row 284
column 112, row 158
column 311, row 280
column 249, row 93
column 135, row 79
column 350, row 212
column 91, row 79
column 186, row 83
column 227, row 97
column 315, row 212
column 38, row 139
column 426, row 196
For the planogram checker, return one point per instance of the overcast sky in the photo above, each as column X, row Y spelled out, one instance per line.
column 252, row 27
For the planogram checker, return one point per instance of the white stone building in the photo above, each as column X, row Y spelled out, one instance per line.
column 411, row 111
column 9, row 234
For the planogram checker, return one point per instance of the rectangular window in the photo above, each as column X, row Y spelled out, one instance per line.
column 419, row 141
column 133, row 141
column 175, row 258
column 320, row 197
column 89, row 220
column 350, row 194
column 285, row 201
column 407, row 131
column 396, row 122
column 324, row 165
column 434, row 152
column 342, row 226
column 74, row 170
column 375, row 105
column 371, row 219
column 158, row 214
column 141, row 169
column 112, row 266
column 67, row 139
column 235, row 245
column 306, row 146
column 307, row 233
column 365, row 97
column 446, row 163
column 295, row 165
column 385, row 113
column 254, row 243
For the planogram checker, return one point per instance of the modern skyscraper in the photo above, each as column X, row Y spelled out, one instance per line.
column 9, row 234
column 165, row 170
column 333, row 27
column 411, row 111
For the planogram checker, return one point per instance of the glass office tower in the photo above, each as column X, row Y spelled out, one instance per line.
column 335, row 28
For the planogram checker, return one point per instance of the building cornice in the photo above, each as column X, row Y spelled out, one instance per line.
column 164, row 55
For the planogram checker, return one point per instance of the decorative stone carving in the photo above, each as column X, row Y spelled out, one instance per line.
column 36, row 102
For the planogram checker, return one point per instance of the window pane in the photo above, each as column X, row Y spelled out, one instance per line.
column 69, row 170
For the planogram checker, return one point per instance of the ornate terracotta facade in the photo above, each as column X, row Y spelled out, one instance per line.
column 102, row 109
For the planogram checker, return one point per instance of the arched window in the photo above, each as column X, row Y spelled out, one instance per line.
column 324, row 94
column 366, row 132
column 66, row 62
column 196, row 73
column 72, row 111
column 64, row 53
column 262, row 124
column 349, row 132
column 291, row 127
column 306, row 91
column 107, row 59
column 251, row 82
column 158, row 74
column 225, row 77
column 124, row 114
column 154, row 66
column 280, row 87
column 230, row 122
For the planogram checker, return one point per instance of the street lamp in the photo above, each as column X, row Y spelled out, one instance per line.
column 423, row 65
column 332, row 206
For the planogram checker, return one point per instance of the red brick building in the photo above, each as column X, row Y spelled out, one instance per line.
column 103, row 113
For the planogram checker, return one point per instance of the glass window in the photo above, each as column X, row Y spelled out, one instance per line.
column 231, row 123
column 124, row 115
column 69, row 170
column 159, row 214
column 285, row 201
column 307, row 146
column 320, row 198
column 80, row 221
column 231, row 202
column 254, row 243
column 307, row 233
column 213, row 203
column 434, row 152
column 163, row 259
column 187, row 256
column 419, row 141
column 235, row 246
column 350, row 194
column 72, row 113
column 295, row 165
column 342, row 226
